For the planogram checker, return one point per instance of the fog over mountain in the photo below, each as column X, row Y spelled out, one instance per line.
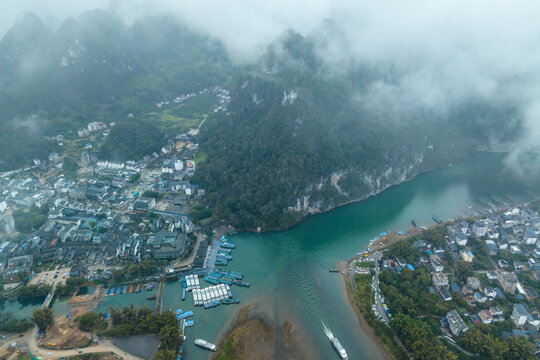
column 443, row 52
column 344, row 98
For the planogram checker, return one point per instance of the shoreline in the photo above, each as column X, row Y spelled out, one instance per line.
column 366, row 328
column 380, row 244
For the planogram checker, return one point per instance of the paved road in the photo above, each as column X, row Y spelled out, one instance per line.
column 375, row 257
column 377, row 291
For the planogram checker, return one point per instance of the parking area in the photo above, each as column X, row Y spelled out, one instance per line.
column 52, row 276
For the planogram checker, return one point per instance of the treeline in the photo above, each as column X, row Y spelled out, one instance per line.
column 91, row 321
column 71, row 285
column 420, row 340
column 9, row 323
column 139, row 321
column 32, row 291
column 138, row 270
column 481, row 339
column 408, row 293
column 131, row 140
column 269, row 151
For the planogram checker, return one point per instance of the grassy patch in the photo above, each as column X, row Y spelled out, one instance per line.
column 200, row 157
column 29, row 219
column 227, row 351
column 367, row 264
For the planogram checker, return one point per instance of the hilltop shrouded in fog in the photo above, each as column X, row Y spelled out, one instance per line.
column 330, row 102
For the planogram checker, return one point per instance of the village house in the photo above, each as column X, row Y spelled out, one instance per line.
column 440, row 280
column 508, row 281
column 456, row 323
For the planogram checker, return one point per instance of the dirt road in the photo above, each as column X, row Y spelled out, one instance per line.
column 105, row 346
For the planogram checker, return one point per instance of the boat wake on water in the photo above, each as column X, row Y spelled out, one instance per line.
column 334, row 340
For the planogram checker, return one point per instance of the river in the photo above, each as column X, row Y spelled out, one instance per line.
column 288, row 270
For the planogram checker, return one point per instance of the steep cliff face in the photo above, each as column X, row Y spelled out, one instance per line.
column 350, row 185
column 302, row 139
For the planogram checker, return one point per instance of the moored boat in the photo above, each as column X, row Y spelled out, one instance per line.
column 211, row 304
column 230, row 301
column 205, row 344
column 241, row 283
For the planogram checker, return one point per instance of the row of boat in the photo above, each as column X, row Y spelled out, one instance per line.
column 191, row 282
column 211, row 294
column 130, row 288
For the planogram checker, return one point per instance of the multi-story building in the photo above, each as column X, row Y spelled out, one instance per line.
column 456, row 323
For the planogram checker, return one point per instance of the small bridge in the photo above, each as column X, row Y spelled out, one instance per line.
column 49, row 297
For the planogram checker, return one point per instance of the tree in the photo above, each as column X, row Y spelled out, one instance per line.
column 463, row 270
column 169, row 338
column 163, row 354
column 43, row 317
column 520, row 348
column 89, row 321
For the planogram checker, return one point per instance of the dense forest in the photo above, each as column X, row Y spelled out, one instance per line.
column 132, row 140
column 299, row 133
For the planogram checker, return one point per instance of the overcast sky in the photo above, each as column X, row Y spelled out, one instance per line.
column 446, row 50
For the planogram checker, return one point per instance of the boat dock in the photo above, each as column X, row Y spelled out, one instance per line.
column 212, row 296
column 160, row 296
column 127, row 289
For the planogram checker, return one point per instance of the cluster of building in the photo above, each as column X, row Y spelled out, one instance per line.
column 120, row 211
column 508, row 243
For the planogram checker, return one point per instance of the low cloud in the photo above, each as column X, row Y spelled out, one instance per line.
column 438, row 53
column 33, row 124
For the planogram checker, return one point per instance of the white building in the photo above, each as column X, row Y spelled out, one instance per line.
column 529, row 236
column 520, row 314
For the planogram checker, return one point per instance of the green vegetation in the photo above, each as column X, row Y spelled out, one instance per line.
column 154, row 59
column 269, row 152
column 227, row 353
column 91, row 321
column 32, row 291
column 95, row 356
column 153, row 194
column 419, row 339
column 8, row 323
column 138, row 321
column 138, row 270
column 43, row 317
column 28, row 220
column 198, row 213
column 363, row 300
column 131, row 140
column 483, row 340
column 366, row 264
column 72, row 284
column 133, row 178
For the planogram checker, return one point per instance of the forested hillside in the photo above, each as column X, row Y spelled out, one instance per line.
column 94, row 68
column 300, row 139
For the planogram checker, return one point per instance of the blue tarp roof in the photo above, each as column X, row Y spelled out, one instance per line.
column 410, row 267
